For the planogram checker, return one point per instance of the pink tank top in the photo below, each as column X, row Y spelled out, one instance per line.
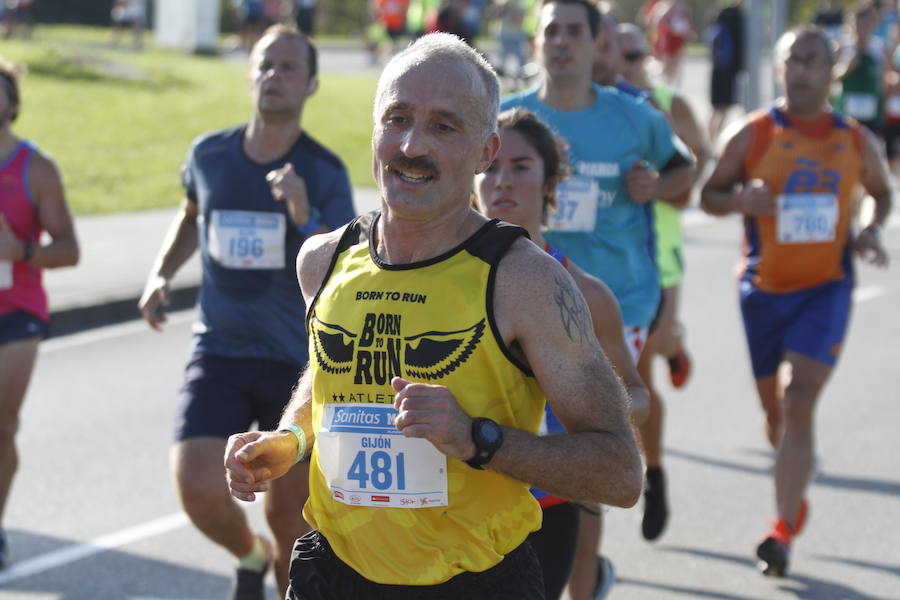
column 18, row 207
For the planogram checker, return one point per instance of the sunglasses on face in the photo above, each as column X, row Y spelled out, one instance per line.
column 633, row 56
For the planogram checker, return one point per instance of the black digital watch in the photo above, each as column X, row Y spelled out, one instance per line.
column 488, row 437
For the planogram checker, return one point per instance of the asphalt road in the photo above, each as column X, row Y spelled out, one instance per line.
column 93, row 515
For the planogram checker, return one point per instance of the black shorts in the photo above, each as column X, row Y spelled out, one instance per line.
column 555, row 544
column 722, row 88
column 395, row 34
column 892, row 139
column 21, row 325
column 318, row 574
column 222, row 396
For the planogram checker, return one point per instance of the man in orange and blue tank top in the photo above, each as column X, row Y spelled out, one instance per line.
column 791, row 171
column 428, row 374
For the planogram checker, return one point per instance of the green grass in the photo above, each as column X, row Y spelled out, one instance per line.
column 119, row 123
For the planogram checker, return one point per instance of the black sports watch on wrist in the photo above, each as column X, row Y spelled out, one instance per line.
column 488, row 437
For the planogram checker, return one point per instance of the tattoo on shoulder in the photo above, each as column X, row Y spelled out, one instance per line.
column 572, row 311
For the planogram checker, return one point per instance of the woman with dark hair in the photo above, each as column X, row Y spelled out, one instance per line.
column 520, row 187
column 32, row 201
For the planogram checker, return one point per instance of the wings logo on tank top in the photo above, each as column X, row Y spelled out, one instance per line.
column 381, row 351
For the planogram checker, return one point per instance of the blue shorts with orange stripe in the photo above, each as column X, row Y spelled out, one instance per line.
column 810, row 322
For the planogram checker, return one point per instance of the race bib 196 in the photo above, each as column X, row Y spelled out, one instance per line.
column 807, row 218
column 241, row 239
column 576, row 205
column 367, row 461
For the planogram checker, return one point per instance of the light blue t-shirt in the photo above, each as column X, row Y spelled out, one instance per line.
column 597, row 225
column 250, row 305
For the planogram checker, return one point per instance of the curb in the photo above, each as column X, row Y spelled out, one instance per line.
column 82, row 318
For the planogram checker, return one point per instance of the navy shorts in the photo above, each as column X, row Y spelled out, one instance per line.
column 21, row 325
column 222, row 396
column 318, row 574
column 809, row 322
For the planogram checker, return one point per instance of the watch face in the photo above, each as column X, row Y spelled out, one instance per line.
column 491, row 432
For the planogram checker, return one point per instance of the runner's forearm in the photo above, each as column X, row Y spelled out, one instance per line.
column 179, row 245
column 608, row 472
column 675, row 181
column 719, row 202
column 299, row 410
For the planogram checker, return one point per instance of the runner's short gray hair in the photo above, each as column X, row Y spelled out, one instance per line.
column 446, row 46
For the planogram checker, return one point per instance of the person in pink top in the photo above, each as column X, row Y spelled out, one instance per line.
column 31, row 201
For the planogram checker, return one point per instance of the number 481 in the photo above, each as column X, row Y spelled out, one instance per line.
column 379, row 469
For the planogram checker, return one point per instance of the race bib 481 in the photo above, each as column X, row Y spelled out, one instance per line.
column 367, row 461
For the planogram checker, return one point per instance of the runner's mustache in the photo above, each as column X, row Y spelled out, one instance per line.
column 418, row 164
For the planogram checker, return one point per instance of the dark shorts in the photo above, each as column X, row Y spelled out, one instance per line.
column 892, row 139
column 722, row 88
column 555, row 544
column 395, row 33
column 21, row 325
column 660, row 307
column 809, row 322
column 306, row 20
column 318, row 574
column 222, row 396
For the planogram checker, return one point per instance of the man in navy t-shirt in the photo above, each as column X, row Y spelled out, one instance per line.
column 253, row 194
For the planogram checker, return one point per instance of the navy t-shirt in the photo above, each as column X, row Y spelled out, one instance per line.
column 250, row 304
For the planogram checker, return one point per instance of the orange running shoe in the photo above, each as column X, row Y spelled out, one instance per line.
column 679, row 368
column 775, row 550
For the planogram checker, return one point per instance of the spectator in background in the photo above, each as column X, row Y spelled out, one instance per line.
column 860, row 71
column 726, row 41
column 451, row 18
column 884, row 35
column 830, row 17
column 892, row 112
column 251, row 20
column 644, row 17
column 473, row 15
column 18, row 14
column 512, row 38
column 671, row 19
column 306, row 16
column 392, row 14
column 128, row 14
column 420, row 14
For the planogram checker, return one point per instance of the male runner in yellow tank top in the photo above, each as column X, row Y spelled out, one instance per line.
column 435, row 335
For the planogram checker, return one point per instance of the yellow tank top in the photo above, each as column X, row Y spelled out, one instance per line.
column 399, row 514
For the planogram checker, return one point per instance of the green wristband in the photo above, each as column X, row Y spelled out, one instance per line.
column 301, row 440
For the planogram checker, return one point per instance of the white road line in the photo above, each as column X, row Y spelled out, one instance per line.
column 869, row 292
column 693, row 217
column 110, row 332
column 57, row 558
column 893, row 221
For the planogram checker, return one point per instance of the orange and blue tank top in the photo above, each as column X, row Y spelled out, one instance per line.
column 21, row 214
column 812, row 168
column 394, row 508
